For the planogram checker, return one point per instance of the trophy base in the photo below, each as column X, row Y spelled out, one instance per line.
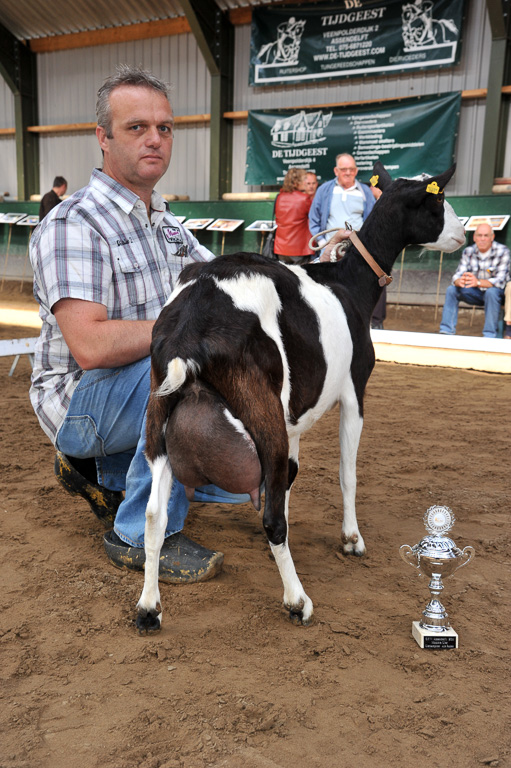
column 434, row 640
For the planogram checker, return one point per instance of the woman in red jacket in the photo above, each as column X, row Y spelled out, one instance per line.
column 292, row 216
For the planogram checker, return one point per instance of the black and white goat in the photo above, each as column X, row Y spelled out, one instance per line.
column 248, row 353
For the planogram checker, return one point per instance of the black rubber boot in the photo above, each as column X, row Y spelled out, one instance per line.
column 182, row 561
column 103, row 503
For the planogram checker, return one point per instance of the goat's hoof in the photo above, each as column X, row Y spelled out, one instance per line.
column 353, row 545
column 148, row 621
column 301, row 615
column 352, row 552
column 297, row 618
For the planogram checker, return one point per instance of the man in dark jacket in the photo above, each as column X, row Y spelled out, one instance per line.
column 53, row 197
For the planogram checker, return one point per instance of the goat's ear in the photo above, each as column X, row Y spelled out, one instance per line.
column 436, row 184
column 380, row 177
column 443, row 178
column 431, row 185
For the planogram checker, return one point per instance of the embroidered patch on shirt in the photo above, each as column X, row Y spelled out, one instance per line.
column 173, row 235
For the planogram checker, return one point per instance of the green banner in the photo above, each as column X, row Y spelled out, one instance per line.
column 352, row 39
column 409, row 138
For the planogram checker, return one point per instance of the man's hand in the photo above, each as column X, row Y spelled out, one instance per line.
column 97, row 342
column 469, row 280
column 339, row 236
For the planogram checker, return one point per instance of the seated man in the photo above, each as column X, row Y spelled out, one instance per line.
column 479, row 279
column 104, row 263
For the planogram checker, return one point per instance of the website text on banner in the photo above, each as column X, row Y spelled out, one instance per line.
column 294, row 44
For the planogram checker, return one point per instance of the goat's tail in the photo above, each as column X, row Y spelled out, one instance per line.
column 177, row 372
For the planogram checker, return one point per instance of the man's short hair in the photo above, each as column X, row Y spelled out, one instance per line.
column 125, row 75
column 344, row 154
column 59, row 181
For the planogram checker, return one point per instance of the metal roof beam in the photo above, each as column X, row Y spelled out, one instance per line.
column 201, row 16
column 214, row 34
column 18, row 67
column 495, row 120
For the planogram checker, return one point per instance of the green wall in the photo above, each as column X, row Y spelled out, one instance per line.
column 251, row 241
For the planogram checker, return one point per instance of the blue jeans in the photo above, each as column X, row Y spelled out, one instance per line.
column 106, row 420
column 491, row 298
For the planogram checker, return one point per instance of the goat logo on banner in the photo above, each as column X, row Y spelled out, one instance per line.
column 285, row 49
column 420, row 29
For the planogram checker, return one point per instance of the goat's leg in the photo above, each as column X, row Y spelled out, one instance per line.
column 149, row 608
column 156, row 515
column 258, row 406
column 295, row 599
column 350, row 430
column 292, row 469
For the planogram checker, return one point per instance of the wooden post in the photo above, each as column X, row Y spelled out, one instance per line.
column 400, row 280
column 438, row 282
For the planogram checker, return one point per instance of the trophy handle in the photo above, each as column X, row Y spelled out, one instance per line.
column 467, row 555
column 406, row 553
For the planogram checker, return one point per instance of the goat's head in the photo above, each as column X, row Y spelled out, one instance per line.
column 423, row 215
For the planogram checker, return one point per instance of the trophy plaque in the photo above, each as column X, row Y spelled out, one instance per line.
column 437, row 557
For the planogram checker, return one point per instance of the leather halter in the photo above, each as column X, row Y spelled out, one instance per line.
column 383, row 278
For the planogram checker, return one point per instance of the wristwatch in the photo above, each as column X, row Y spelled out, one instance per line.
column 478, row 283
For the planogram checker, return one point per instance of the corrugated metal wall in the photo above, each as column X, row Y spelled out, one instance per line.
column 68, row 81
column 471, row 73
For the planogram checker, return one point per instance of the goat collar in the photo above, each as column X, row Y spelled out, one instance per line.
column 383, row 278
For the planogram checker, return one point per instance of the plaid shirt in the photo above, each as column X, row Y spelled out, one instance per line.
column 99, row 245
column 492, row 265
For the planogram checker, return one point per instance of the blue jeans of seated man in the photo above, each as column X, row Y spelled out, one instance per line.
column 106, row 420
column 492, row 300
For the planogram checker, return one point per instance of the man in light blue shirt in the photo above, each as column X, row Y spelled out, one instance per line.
column 344, row 200
column 341, row 200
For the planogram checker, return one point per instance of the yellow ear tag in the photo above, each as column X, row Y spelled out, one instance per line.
column 433, row 188
column 374, row 180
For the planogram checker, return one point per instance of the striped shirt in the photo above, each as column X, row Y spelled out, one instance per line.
column 492, row 265
column 100, row 245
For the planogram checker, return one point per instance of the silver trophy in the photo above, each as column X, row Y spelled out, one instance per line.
column 436, row 556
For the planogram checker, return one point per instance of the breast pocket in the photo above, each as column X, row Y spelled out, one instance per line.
column 131, row 273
